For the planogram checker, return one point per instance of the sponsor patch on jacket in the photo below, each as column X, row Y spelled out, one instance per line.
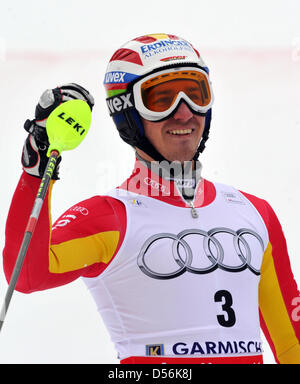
column 138, row 203
column 155, row 350
column 232, row 198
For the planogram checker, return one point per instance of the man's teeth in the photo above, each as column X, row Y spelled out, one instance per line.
column 180, row 131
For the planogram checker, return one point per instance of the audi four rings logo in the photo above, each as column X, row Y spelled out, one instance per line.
column 215, row 254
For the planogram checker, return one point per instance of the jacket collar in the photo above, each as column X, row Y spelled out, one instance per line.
column 158, row 181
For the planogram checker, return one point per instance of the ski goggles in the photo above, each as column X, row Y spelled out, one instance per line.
column 157, row 96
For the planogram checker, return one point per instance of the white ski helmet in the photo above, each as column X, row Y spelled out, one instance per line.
column 136, row 61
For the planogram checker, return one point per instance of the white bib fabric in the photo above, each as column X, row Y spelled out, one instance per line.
column 183, row 286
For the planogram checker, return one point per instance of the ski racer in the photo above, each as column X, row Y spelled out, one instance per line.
column 182, row 269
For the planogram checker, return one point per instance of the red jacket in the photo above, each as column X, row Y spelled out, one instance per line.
column 84, row 240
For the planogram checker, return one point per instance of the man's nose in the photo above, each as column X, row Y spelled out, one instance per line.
column 183, row 113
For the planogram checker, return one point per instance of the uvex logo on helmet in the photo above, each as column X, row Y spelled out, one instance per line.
column 119, row 103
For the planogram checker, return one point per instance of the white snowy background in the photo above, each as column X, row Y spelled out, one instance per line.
column 253, row 51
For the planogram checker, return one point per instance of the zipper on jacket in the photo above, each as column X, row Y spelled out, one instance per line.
column 193, row 210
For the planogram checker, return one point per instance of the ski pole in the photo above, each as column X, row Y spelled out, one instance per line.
column 31, row 224
column 66, row 127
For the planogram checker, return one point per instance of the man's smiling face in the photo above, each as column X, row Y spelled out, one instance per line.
column 176, row 138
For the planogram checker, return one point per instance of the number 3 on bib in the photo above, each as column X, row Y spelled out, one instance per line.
column 225, row 298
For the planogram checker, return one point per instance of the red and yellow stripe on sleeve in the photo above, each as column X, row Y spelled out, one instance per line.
column 277, row 291
column 83, row 241
column 86, row 237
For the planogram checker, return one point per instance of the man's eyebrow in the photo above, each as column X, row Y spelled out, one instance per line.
column 166, row 92
column 190, row 88
column 193, row 88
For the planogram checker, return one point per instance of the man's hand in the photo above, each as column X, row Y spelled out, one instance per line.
column 34, row 159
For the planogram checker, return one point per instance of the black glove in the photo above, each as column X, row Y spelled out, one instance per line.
column 34, row 155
